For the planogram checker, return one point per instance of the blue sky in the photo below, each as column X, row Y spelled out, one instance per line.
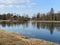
column 28, row 6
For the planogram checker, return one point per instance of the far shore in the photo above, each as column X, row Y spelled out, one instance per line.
column 46, row 21
column 5, row 20
column 11, row 38
column 29, row 21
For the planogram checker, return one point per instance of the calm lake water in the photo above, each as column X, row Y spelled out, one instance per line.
column 45, row 31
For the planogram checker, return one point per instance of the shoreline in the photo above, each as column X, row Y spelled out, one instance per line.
column 27, row 21
column 11, row 38
column 46, row 21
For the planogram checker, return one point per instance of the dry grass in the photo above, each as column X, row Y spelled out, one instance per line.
column 7, row 38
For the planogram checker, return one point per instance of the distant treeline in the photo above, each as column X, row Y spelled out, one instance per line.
column 50, row 16
column 13, row 17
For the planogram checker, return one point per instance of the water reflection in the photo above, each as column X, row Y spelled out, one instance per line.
column 45, row 25
column 43, row 30
column 3, row 24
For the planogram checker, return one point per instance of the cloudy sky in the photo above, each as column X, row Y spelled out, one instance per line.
column 28, row 6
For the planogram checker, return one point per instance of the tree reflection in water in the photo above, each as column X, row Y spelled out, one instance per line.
column 48, row 25
column 44, row 25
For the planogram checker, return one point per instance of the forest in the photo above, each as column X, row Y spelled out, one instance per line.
column 50, row 16
column 13, row 17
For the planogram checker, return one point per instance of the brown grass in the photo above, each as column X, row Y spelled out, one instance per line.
column 7, row 38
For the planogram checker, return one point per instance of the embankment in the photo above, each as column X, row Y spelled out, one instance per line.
column 10, row 38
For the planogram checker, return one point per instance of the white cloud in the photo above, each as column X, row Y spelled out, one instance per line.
column 20, row 6
column 12, row 6
column 33, row 3
column 14, row 1
column 7, row 1
column 2, row 6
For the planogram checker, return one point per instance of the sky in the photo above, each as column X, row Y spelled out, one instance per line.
column 30, row 7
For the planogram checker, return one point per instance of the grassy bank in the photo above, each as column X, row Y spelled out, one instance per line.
column 8, row 38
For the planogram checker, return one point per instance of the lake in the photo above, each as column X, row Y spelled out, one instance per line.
column 40, row 30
